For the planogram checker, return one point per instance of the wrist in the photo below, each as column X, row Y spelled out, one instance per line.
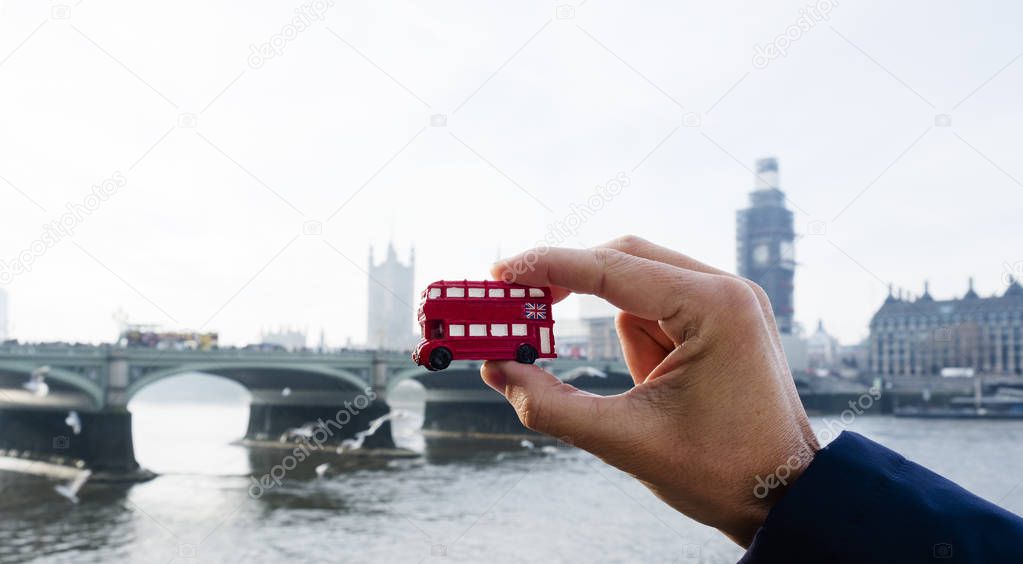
column 768, row 487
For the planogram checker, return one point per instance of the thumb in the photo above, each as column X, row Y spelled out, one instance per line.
column 548, row 405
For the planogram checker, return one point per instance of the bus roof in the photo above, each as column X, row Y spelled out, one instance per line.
column 477, row 284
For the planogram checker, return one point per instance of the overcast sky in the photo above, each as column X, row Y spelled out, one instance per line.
column 219, row 153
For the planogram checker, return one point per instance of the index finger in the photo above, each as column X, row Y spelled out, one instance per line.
column 648, row 289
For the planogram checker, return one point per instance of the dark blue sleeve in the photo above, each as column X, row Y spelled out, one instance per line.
column 860, row 502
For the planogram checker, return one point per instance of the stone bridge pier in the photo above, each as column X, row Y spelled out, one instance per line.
column 44, row 402
column 104, row 443
column 341, row 407
column 459, row 404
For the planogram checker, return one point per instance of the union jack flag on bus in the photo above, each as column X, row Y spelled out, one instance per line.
column 535, row 311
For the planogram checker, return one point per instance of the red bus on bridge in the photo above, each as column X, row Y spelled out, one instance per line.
column 489, row 320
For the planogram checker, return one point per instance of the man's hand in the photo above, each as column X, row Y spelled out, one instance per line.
column 714, row 406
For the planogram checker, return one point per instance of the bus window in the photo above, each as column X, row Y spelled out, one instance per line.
column 456, row 330
column 517, row 292
column 535, row 293
column 497, row 292
column 498, row 330
column 519, row 329
column 545, row 340
column 477, row 329
column 434, row 292
column 434, row 330
column 455, row 293
column 475, row 292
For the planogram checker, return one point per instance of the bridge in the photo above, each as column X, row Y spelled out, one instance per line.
column 288, row 389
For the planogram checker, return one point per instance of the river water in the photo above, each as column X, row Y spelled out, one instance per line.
column 461, row 501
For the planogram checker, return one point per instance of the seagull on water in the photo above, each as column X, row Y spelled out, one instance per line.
column 70, row 490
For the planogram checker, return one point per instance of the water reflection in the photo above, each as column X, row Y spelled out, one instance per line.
column 459, row 501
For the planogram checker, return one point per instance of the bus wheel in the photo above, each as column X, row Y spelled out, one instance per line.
column 525, row 354
column 440, row 358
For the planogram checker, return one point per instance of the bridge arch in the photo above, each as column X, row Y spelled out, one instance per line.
column 218, row 369
column 92, row 389
column 402, row 375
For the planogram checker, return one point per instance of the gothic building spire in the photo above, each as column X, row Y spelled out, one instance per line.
column 891, row 294
column 927, row 292
column 970, row 293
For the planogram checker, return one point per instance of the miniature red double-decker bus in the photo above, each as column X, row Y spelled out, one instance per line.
column 487, row 320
